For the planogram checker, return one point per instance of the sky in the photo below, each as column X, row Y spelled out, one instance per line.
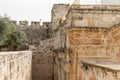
column 32, row 10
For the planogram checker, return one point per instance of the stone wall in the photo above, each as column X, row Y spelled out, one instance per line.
column 81, row 43
column 100, row 70
column 42, row 62
column 93, row 16
column 88, row 32
column 35, row 35
column 40, row 42
column 88, row 42
column 26, row 23
column 58, row 11
column 15, row 65
column 114, row 42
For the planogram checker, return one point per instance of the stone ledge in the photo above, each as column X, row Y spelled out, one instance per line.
column 13, row 52
column 102, row 63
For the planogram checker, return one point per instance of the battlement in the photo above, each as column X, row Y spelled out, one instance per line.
column 35, row 23
column 47, row 25
column 32, row 23
column 23, row 22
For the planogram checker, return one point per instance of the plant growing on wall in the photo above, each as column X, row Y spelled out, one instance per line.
column 11, row 36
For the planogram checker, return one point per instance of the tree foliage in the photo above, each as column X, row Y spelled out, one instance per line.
column 11, row 36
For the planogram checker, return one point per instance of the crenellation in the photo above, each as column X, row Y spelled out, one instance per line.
column 23, row 23
column 14, row 22
column 35, row 23
column 40, row 42
column 82, row 42
column 47, row 25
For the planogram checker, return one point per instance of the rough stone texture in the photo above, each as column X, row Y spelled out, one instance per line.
column 15, row 65
column 86, row 32
column 23, row 23
column 35, row 23
column 35, row 35
column 80, row 32
column 41, row 44
column 42, row 62
column 58, row 11
column 114, row 44
column 91, row 16
column 100, row 70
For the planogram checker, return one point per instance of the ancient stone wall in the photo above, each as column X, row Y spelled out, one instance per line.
column 35, row 23
column 100, row 70
column 26, row 23
column 86, row 33
column 88, row 42
column 58, row 11
column 34, row 35
column 48, row 27
column 15, row 65
column 81, row 43
column 41, row 44
column 79, row 16
column 114, row 44
column 42, row 62
column 93, row 16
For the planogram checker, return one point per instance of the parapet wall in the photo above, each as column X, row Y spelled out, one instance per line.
column 26, row 23
column 100, row 70
column 15, row 65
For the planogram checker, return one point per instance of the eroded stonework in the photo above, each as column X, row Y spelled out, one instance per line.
column 42, row 61
column 80, row 43
column 86, row 43
column 40, row 42
column 16, row 65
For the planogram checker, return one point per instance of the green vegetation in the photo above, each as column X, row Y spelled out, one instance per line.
column 11, row 36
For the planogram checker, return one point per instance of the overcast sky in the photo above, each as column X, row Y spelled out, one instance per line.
column 31, row 9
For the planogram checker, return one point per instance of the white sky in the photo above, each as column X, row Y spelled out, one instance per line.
column 31, row 10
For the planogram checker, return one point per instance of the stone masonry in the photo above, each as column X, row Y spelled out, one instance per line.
column 80, row 43
column 40, row 42
column 86, row 43
column 15, row 65
column 42, row 61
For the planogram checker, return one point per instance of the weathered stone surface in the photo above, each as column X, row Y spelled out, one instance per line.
column 23, row 23
column 88, row 32
column 58, row 11
column 35, row 23
column 15, row 65
column 42, row 62
column 93, row 16
column 80, row 32
column 100, row 70
column 40, row 42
